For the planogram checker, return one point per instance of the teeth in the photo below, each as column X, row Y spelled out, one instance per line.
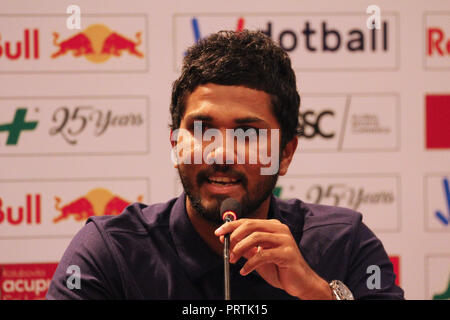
column 222, row 179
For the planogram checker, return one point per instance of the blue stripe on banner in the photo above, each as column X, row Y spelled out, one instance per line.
column 196, row 29
column 447, row 194
column 441, row 217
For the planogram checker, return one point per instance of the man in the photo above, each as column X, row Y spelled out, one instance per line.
column 278, row 249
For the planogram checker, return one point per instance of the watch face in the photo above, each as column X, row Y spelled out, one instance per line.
column 341, row 290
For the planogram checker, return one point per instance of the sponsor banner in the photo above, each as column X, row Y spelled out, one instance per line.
column 376, row 197
column 74, row 125
column 437, row 273
column 316, row 41
column 437, row 121
column 43, row 43
column 437, row 40
column 437, row 202
column 59, row 208
column 396, row 265
column 350, row 122
column 25, row 281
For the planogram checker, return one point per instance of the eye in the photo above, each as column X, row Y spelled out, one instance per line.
column 197, row 125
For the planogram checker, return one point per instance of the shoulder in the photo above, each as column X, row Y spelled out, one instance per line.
column 319, row 228
column 330, row 229
column 103, row 248
column 137, row 218
column 338, row 245
column 318, row 215
column 327, row 233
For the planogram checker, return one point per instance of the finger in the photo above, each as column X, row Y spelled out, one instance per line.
column 228, row 227
column 247, row 255
column 258, row 238
column 252, row 226
column 260, row 258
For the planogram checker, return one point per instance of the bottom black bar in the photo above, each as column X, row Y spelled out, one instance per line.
column 164, row 309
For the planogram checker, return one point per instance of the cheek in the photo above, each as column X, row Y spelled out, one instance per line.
column 188, row 176
column 253, row 174
column 186, row 147
column 254, row 151
column 189, row 170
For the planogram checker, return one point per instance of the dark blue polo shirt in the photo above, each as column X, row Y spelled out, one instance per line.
column 154, row 252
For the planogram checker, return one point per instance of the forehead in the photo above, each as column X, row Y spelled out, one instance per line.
column 222, row 102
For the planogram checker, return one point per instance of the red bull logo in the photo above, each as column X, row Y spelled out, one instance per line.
column 97, row 202
column 97, row 43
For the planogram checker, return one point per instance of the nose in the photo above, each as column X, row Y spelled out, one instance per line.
column 221, row 150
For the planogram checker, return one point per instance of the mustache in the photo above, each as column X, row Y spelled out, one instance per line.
column 203, row 175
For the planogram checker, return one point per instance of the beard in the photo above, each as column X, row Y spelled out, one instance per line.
column 250, row 201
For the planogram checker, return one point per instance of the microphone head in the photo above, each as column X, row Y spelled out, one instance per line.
column 230, row 209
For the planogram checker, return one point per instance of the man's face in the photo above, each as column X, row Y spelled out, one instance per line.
column 207, row 185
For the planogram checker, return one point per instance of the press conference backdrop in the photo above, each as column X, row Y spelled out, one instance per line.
column 84, row 119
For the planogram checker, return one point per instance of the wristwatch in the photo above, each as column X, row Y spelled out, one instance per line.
column 340, row 290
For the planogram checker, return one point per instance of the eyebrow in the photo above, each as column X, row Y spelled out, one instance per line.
column 249, row 120
column 200, row 117
column 207, row 118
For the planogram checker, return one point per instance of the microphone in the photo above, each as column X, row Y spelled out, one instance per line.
column 230, row 210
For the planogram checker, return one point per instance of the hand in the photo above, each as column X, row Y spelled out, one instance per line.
column 271, row 250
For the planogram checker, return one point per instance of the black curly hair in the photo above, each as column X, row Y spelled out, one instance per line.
column 247, row 58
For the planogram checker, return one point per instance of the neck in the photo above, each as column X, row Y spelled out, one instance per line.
column 206, row 228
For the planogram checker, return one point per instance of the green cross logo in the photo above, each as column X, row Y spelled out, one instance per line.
column 277, row 191
column 17, row 126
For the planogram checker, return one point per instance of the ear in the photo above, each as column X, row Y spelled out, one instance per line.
column 287, row 155
column 173, row 143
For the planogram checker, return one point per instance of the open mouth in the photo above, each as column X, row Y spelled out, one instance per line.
column 223, row 181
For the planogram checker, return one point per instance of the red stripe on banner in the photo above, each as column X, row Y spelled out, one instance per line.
column 437, row 121
column 396, row 263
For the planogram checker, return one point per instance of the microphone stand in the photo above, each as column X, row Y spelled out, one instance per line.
column 230, row 209
column 226, row 263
